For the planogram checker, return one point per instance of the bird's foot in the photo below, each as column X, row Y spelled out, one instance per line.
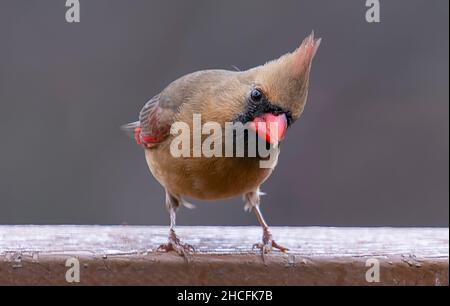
column 175, row 244
column 268, row 244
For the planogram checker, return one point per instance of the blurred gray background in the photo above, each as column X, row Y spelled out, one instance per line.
column 372, row 148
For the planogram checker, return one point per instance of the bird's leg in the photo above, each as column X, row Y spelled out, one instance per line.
column 267, row 244
column 174, row 243
column 267, row 240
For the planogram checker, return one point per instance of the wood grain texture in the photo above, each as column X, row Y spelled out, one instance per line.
column 126, row 255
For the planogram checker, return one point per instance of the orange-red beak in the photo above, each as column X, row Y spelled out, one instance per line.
column 270, row 127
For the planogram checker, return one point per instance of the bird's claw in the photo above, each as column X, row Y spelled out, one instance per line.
column 268, row 244
column 175, row 244
column 267, row 247
column 180, row 248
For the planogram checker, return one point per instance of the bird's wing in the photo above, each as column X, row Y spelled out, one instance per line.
column 155, row 121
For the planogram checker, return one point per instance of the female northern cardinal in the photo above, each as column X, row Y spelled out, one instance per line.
column 274, row 93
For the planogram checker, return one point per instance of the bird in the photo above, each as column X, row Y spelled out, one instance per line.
column 274, row 93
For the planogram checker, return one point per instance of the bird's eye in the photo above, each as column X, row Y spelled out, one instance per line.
column 256, row 95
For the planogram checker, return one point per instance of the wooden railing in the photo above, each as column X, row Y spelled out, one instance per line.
column 126, row 255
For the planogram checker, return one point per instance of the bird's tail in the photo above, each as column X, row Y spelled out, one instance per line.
column 132, row 130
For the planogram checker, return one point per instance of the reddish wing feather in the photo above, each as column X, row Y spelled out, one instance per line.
column 155, row 121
